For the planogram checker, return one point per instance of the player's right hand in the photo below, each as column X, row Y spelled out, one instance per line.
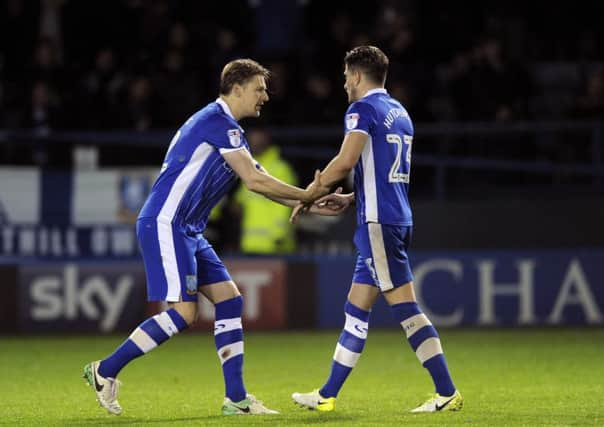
column 335, row 201
column 315, row 189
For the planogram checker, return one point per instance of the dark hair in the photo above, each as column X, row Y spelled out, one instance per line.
column 240, row 71
column 369, row 60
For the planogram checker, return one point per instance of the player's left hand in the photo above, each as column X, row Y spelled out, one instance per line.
column 298, row 210
column 330, row 205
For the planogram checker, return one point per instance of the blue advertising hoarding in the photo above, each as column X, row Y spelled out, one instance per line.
column 492, row 288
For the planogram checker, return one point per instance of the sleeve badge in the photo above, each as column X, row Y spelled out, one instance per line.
column 352, row 120
column 234, row 137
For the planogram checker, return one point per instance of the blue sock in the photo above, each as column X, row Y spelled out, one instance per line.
column 348, row 350
column 228, row 335
column 148, row 335
column 424, row 341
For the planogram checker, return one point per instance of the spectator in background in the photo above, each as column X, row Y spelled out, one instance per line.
column 138, row 111
column 42, row 113
column 590, row 104
column 226, row 49
column 498, row 85
column 319, row 105
column 265, row 227
column 18, row 34
column 281, row 101
column 45, row 64
column 177, row 87
column 101, row 88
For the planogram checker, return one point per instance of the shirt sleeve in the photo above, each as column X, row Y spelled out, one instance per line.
column 359, row 117
column 225, row 135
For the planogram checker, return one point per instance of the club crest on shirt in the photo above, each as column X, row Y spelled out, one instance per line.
column 191, row 284
column 352, row 120
column 234, row 137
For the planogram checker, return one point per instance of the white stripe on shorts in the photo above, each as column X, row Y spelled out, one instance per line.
column 226, row 325
column 345, row 357
column 378, row 253
column 166, row 215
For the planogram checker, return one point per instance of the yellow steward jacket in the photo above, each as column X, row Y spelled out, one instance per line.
column 265, row 227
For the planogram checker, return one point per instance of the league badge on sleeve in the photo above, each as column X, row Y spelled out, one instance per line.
column 352, row 120
column 234, row 137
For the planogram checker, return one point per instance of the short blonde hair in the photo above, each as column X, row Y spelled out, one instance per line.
column 240, row 71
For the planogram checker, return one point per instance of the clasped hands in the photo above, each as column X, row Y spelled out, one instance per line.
column 320, row 201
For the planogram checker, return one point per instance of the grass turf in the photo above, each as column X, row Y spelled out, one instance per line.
column 527, row 377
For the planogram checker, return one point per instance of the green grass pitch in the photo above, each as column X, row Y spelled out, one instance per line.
column 508, row 377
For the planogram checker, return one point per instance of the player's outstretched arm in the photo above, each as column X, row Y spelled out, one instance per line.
column 337, row 169
column 259, row 181
column 340, row 166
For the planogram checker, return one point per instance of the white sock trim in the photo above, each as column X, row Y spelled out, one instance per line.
column 428, row 349
column 226, row 325
column 356, row 326
column 229, row 351
column 142, row 340
column 414, row 323
column 345, row 357
column 165, row 322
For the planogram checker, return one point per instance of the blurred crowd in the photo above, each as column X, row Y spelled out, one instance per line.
column 148, row 64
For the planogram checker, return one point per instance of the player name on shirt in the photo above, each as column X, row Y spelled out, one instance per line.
column 392, row 115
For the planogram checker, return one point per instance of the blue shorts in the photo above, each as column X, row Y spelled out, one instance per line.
column 176, row 264
column 382, row 259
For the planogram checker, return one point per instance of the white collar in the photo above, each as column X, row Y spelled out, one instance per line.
column 372, row 91
column 225, row 107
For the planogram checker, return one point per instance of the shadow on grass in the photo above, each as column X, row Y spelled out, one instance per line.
column 214, row 420
column 111, row 420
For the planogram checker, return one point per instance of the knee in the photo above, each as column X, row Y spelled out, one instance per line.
column 188, row 311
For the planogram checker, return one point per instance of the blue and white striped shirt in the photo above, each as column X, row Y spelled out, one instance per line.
column 194, row 175
column 381, row 176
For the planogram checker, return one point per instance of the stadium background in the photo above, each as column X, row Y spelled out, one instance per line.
column 508, row 161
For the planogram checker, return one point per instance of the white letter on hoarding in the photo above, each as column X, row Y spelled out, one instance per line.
column 70, row 283
column 524, row 290
column 122, row 241
column 575, row 278
column 456, row 269
column 113, row 303
column 46, row 296
column 7, row 237
column 72, row 242
column 43, row 241
column 27, row 242
column 98, row 241
column 56, row 246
